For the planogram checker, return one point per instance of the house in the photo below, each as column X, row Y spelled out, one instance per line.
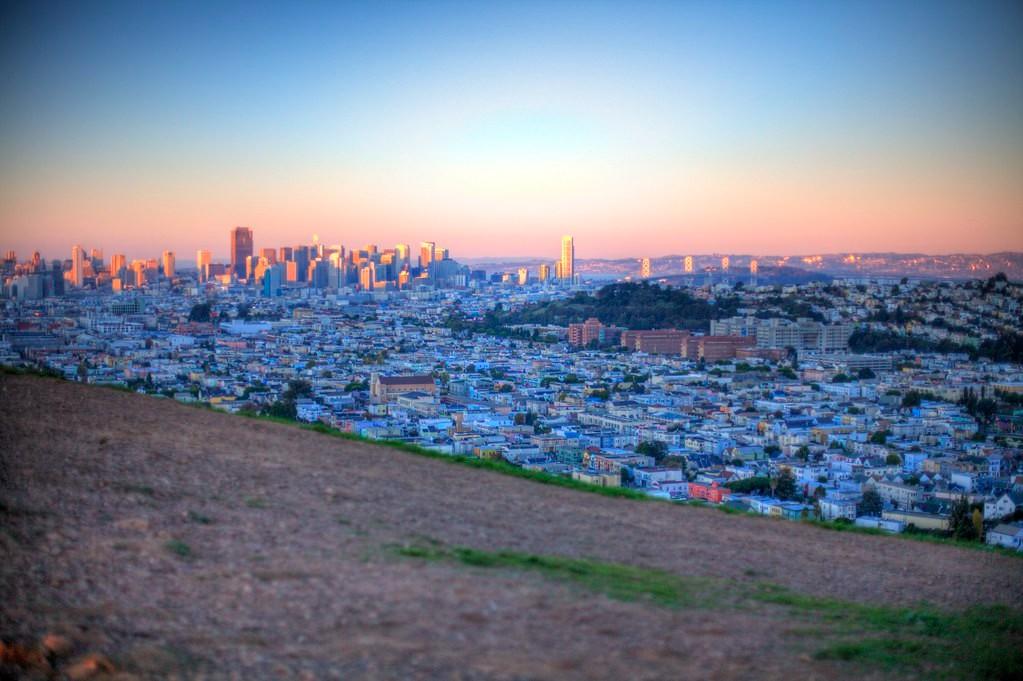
column 1009, row 535
column 646, row 476
column 1002, row 506
column 918, row 519
column 598, row 478
column 309, row 410
column 875, row 523
column 713, row 492
column 674, row 488
column 385, row 388
column 834, row 508
column 896, row 494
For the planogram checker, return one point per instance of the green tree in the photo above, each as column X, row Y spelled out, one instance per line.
column 879, row 437
column 786, row 485
column 754, row 485
column 658, row 450
column 911, row 399
column 960, row 520
column 871, row 504
column 281, row 410
column 297, row 388
column 200, row 312
column 893, row 459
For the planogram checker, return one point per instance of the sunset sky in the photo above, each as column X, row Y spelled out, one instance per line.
column 493, row 128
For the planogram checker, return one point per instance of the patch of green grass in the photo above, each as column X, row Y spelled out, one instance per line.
column 614, row 580
column 196, row 517
column 179, row 548
column 979, row 643
column 255, row 502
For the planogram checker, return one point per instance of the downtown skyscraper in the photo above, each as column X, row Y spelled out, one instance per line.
column 241, row 250
column 567, row 263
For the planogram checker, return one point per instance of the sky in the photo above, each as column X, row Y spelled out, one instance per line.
column 493, row 128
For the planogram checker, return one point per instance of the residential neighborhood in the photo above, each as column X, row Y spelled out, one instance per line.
column 769, row 411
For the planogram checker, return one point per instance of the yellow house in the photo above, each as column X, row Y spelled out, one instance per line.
column 599, row 479
column 923, row 521
column 487, row 453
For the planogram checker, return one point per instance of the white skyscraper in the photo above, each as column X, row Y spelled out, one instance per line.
column 567, row 258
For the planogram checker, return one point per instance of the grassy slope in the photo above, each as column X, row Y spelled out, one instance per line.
column 970, row 643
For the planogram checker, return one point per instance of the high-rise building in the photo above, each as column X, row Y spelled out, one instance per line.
column 259, row 267
column 644, row 268
column 138, row 269
column 241, row 248
column 203, row 260
column 251, row 263
column 567, row 258
column 687, row 264
column 270, row 254
column 168, row 264
column 273, row 280
column 77, row 266
column 545, row 272
column 523, row 276
column 118, row 261
column 286, row 254
column 96, row 256
column 427, row 253
column 402, row 256
column 301, row 256
column 754, row 268
column 725, row 264
column 367, row 277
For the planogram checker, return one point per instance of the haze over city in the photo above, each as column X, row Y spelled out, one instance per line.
column 643, row 130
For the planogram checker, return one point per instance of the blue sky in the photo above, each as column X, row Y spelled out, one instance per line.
column 491, row 126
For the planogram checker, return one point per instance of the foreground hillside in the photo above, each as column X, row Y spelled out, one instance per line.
column 179, row 542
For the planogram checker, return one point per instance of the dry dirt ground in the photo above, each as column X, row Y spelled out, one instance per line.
column 291, row 570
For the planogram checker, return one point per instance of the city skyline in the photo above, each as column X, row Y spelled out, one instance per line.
column 662, row 128
column 552, row 256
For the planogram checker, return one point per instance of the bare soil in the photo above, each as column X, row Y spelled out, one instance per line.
column 185, row 543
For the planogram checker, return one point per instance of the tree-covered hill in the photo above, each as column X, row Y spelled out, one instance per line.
column 630, row 305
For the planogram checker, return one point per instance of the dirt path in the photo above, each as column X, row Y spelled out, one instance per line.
column 178, row 539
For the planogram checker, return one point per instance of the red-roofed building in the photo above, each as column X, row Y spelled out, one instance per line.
column 714, row 493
